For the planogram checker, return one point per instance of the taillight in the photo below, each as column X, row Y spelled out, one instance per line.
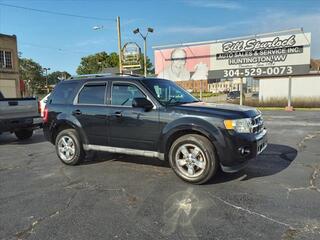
column 45, row 115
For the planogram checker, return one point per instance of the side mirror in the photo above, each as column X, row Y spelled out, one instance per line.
column 142, row 103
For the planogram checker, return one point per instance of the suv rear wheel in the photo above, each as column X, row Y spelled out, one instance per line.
column 68, row 147
column 192, row 157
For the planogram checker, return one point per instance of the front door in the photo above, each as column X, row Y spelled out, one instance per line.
column 130, row 127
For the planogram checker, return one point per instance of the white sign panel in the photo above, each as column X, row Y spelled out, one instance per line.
column 256, row 57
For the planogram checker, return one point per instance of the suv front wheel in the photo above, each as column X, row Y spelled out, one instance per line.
column 192, row 157
column 68, row 147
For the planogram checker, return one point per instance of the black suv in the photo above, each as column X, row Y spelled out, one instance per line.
column 154, row 118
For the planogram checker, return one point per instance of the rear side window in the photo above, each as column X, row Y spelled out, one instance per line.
column 92, row 94
column 64, row 93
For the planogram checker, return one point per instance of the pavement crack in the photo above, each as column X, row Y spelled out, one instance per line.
column 312, row 182
column 313, row 179
column 290, row 232
column 301, row 144
column 25, row 233
column 265, row 217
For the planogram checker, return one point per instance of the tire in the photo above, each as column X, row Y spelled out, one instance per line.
column 68, row 147
column 24, row 134
column 195, row 152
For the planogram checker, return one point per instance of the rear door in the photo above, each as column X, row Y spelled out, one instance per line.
column 91, row 111
column 130, row 127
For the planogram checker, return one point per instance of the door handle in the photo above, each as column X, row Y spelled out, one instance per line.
column 76, row 112
column 117, row 114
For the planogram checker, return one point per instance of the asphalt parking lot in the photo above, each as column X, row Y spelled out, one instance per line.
column 121, row 197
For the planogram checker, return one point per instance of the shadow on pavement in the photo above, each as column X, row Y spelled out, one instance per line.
column 7, row 138
column 96, row 157
column 273, row 160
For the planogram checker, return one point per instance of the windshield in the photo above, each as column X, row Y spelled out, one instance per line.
column 167, row 92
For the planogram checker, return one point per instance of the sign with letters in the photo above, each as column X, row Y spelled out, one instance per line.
column 257, row 56
column 131, row 56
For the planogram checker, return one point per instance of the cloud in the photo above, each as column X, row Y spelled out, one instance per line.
column 90, row 42
column 193, row 30
column 271, row 21
column 265, row 21
column 222, row 4
column 126, row 22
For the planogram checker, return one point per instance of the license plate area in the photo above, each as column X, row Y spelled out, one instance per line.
column 37, row 120
column 262, row 144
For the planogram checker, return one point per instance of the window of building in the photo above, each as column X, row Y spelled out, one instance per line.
column 123, row 94
column 92, row 94
column 5, row 59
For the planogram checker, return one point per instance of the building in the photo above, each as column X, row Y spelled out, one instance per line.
column 194, row 85
column 303, row 86
column 223, row 86
column 9, row 66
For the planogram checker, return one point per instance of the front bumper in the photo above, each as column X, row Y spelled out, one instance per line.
column 240, row 148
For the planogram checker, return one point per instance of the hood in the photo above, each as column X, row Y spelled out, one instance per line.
column 231, row 111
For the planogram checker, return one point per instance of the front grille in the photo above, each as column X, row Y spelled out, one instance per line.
column 257, row 124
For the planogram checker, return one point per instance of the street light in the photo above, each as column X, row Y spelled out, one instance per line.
column 150, row 30
column 47, row 69
column 119, row 40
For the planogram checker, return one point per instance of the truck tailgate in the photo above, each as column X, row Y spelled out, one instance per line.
column 18, row 108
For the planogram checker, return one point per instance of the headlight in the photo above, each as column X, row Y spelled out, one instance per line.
column 242, row 125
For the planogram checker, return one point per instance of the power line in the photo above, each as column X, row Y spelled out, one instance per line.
column 57, row 13
column 61, row 50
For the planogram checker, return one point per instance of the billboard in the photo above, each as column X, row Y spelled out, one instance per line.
column 244, row 57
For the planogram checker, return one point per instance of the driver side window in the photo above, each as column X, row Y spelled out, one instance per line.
column 123, row 94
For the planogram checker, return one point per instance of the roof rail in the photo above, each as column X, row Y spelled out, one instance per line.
column 129, row 74
column 97, row 75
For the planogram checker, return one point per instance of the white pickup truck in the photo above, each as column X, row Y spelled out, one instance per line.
column 20, row 116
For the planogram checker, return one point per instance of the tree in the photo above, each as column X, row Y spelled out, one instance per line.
column 32, row 73
column 97, row 62
column 53, row 78
column 150, row 69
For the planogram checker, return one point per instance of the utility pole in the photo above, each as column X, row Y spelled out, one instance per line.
column 47, row 69
column 119, row 44
column 145, row 56
column 289, row 108
column 241, row 90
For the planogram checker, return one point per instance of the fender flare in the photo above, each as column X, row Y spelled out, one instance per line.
column 190, row 125
column 69, row 120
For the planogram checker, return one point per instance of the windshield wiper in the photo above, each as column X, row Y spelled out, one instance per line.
column 170, row 100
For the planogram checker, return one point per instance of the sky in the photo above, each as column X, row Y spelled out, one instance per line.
column 59, row 42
